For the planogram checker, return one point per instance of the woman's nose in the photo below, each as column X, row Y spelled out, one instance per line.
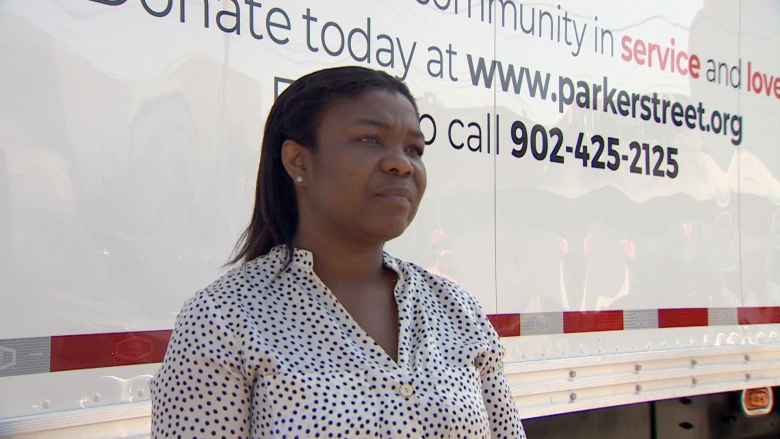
column 397, row 161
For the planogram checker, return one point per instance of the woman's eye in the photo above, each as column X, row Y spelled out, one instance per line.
column 416, row 150
column 369, row 139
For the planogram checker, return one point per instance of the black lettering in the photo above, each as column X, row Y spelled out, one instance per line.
column 148, row 8
column 690, row 116
column 646, row 115
column 236, row 16
column 367, row 36
column 701, row 117
column 623, row 102
column 309, row 19
column 269, row 24
column 677, row 113
column 608, row 98
column 341, row 38
column 449, row 134
column 252, row 4
column 655, row 102
column 428, row 117
column 736, row 130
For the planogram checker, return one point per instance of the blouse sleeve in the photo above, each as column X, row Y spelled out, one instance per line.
column 201, row 390
column 502, row 413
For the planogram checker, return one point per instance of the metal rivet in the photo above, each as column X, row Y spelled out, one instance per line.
column 573, row 396
column 638, row 367
column 573, row 373
column 141, row 392
column 694, row 380
column 46, row 403
column 694, row 362
column 638, row 387
column 97, row 397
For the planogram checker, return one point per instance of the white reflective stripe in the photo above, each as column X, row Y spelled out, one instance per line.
column 24, row 356
column 541, row 323
column 640, row 319
column 722, row 316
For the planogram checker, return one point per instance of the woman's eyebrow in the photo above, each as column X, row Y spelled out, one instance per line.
column 368, row 120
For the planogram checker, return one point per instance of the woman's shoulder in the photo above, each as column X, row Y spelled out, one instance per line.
column 455, row 311
column 435, row 284
column 243, row 282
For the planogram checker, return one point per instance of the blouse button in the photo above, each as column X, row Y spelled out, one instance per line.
column 407, row 390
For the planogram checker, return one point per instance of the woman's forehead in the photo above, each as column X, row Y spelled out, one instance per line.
column 376, row 106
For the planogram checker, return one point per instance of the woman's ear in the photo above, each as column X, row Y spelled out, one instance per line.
column 294, row 158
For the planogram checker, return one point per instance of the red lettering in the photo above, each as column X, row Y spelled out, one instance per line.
column 757, row 85
column 767, row 84
column 626, row 43
column 665, row 58
column 681, row 67
column 639, row 52
column 651, row 47
column 693, row 66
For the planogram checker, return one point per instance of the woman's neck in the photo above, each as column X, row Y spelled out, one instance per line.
column 343, row 266
column 357, row 277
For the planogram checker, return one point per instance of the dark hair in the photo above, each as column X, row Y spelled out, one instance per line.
column 296, row 116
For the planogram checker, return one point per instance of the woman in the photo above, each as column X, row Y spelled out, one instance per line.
column 319, row 333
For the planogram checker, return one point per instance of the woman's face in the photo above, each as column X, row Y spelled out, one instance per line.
column 366, row 177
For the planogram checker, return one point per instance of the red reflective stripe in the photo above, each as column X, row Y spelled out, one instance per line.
column 592, row 321
column 758, row 315
column 87, row 351
column 682, row 317
column 507, row 325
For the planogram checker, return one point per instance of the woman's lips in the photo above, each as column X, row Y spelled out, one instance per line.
column 397, row 194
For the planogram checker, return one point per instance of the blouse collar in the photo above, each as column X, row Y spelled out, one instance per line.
column 304, row 259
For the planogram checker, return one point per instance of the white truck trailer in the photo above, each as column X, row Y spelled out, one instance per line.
column 603, row 176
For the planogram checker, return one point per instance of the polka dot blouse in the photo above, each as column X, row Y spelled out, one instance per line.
column 268, row 352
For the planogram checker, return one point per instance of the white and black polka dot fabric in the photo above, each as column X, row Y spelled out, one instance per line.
column 268, row 352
